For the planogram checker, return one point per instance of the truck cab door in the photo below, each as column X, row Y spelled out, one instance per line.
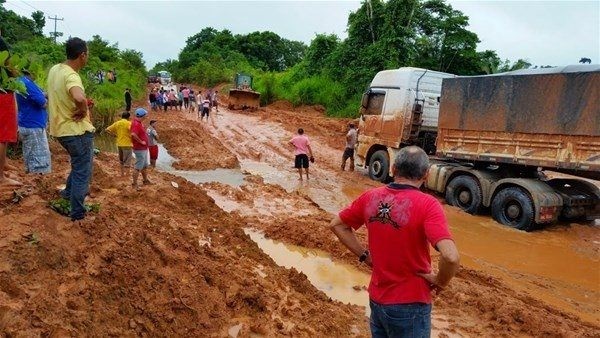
column 393, row 117
column 372, row 110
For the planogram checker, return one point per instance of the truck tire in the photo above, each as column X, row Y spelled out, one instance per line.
column 513, row 207
column 379, row 166
column 464, row 192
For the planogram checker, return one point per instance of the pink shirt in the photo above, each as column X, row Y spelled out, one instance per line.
column 301, row 144
column 186, row 93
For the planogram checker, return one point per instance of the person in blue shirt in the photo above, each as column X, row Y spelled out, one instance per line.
column 32, row 120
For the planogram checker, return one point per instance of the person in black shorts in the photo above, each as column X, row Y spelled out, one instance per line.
column 302, row 151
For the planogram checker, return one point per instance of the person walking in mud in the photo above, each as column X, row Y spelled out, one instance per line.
column 214, row 101
column 199, row 102
column 70, row 123
column 302, row 152
column 140, row 141
column 152, row 143
column 205, row 109
column 401, row 222
column 351, row 137
column 120, row 129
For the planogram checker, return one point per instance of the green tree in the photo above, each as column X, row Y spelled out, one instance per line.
column 319, row 51
column 16, row 28
column 40, row 21
column 103, row 49
column 133, row 58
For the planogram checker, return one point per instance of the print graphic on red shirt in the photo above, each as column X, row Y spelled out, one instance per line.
column 391, row 212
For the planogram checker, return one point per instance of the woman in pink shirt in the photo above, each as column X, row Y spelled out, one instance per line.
column 302, row 151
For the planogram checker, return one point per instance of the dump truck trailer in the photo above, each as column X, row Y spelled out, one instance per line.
column 524, row 145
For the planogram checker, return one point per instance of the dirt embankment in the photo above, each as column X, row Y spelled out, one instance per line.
column 190, row 142
column 160, row 261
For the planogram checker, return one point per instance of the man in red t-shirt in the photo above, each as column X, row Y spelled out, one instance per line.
column 401, row 221
column 139, row 139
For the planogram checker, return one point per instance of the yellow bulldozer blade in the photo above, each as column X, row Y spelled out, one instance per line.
column 243, row 99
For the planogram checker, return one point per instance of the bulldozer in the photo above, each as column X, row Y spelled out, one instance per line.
column 241, row 96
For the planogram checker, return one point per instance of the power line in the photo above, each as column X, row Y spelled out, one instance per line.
column 31, row 6
column 16, row 6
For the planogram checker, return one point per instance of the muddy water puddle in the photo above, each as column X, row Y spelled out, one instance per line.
column 336, row 280
column 559, row 265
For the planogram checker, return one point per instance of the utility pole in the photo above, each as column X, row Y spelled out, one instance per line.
column 56, row 34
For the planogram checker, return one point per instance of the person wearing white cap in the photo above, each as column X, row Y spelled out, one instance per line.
column 139, row 138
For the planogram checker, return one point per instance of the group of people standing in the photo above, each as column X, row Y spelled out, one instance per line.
column 184, row 99
column 102, row 75
column 134, row 140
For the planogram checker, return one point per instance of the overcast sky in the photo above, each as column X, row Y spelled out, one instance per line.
column 544, row 32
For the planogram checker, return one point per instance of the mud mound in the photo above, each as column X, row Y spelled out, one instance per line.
column 191, row 144
column 281, row 105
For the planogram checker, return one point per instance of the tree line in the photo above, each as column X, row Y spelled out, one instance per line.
column 333, row 72
column 25, row 35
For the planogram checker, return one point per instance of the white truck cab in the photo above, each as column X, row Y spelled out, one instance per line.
column 401, row 107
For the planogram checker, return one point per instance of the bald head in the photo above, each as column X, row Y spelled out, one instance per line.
column 411, row 163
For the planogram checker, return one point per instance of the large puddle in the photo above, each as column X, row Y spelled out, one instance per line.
column 337, row 280
column 231, row 177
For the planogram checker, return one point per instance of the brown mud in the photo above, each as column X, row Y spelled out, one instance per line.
column 172, row 260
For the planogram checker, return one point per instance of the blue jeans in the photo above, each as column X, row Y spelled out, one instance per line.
column 80, row 149
column 400, row 320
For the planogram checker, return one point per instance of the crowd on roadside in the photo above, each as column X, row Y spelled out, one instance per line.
column 185, row 99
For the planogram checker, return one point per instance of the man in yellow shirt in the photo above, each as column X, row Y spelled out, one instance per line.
column 121, row 130
column 70, row 122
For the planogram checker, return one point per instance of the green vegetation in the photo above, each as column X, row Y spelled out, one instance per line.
column 332, row 72
column 39, row 53
column 63, row 206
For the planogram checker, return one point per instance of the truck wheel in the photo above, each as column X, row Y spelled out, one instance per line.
column 379, row 166
column 464, row 192
column 513, row 207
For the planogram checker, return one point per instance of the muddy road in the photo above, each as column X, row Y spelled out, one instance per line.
column 228, row 243
column 506, row 273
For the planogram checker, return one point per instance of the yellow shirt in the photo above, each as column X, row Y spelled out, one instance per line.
column 61, row 106
column 121, row 129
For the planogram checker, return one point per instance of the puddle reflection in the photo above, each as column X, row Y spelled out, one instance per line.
column 336, row 280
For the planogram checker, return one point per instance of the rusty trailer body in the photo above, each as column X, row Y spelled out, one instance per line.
column 546, row 118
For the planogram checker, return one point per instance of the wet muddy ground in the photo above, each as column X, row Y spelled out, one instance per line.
column 207, row 250
column 557, row 266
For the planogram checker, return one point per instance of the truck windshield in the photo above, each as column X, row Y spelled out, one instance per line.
column 375, row 105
